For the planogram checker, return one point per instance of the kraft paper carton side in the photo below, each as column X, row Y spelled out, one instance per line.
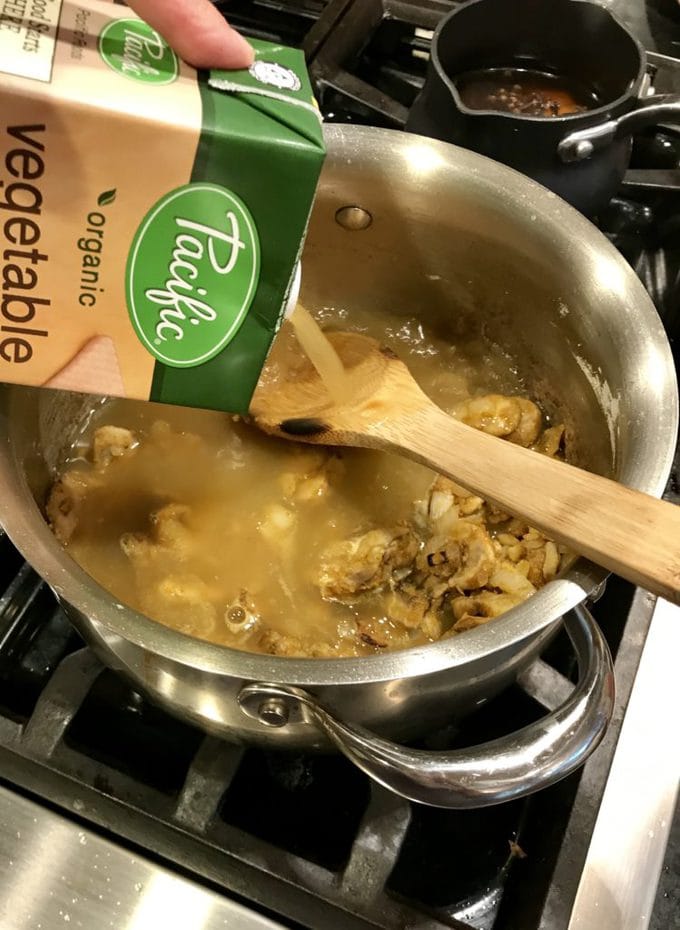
column 150, row 217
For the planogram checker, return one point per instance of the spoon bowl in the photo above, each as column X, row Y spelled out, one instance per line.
column 300, row 406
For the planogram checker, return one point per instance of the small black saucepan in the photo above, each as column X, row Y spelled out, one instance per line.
column 581, row 156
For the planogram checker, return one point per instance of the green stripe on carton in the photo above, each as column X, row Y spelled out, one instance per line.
column 267, row 92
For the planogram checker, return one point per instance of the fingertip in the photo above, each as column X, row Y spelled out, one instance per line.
column 229, row 51
column 198, row 33
column 241, row 51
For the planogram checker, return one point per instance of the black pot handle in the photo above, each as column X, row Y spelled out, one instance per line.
column 583, row 143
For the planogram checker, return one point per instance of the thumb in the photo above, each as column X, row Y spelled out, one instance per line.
column 197, row 32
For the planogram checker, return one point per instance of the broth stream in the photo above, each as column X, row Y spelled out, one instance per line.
column 321, row 354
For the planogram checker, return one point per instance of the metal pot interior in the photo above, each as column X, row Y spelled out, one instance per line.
column 476, row 249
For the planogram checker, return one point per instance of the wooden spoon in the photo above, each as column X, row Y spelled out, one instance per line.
column 630, row 533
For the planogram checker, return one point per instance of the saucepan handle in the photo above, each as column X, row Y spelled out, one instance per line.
column 511, row 767
column 583, row 143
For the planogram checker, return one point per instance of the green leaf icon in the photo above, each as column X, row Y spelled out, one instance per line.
column 106, row 198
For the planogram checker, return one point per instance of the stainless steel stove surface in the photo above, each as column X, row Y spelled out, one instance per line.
column 114, row 814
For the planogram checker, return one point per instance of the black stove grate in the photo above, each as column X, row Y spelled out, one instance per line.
column 273, row 20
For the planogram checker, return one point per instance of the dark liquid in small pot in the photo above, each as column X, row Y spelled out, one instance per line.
column 524, row 92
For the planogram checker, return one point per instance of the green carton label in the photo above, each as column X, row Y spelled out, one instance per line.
column 211, row 263
column 135, row 50
column 192, row 273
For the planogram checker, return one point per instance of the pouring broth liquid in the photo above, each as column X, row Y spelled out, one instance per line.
column 321, row 354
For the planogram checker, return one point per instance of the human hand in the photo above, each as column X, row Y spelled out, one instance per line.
column 197, row 32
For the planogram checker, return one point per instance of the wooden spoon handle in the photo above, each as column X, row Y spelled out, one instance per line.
column 629, row 533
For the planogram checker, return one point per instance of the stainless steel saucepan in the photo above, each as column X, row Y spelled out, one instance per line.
column 479, row 250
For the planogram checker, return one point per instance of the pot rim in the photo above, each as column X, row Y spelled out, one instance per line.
column 570, row 119
column 26, row 526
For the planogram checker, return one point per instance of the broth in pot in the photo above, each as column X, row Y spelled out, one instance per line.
column 199, row 521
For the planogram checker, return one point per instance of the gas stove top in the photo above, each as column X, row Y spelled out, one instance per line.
column 109, row 806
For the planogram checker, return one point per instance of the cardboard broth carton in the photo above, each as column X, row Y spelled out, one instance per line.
column 151, row 217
